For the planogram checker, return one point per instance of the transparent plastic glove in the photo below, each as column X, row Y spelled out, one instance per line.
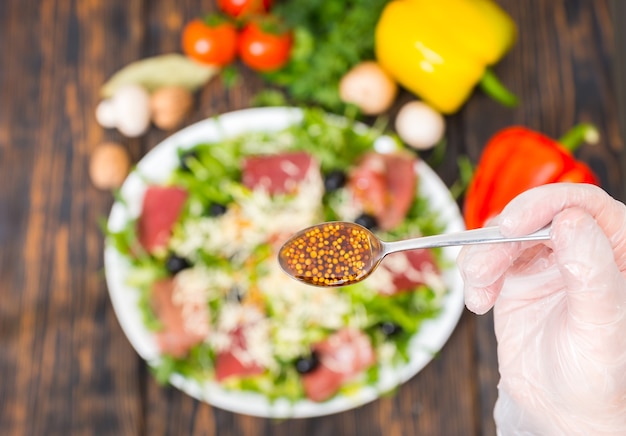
column 560, row 312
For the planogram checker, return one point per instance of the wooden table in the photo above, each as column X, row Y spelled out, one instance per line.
column 65, row 365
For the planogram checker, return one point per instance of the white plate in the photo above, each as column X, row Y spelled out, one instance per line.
column 160, row 162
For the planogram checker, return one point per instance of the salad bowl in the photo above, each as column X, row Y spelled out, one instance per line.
column 124, row 278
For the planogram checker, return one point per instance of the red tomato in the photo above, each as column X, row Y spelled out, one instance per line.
column 214, row 44
column 240, row 8
column 263, row 50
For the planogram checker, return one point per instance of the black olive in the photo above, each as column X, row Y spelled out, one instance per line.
column 389, row 328
column 176, row 264
column 368, row 221
column 306, row 364
column 184, row 157
column 216, row 209
column 235, row 294
column 334, row 180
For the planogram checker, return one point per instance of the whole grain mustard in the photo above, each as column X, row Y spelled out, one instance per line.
column 330, row 254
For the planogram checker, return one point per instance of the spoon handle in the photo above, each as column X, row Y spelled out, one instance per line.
column 485, row 235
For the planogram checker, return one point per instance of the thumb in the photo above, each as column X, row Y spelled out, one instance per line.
column 596, row 291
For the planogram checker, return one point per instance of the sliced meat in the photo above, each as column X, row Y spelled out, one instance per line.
column 384, row 185
column 227, row 364
column 160, row 210
column 368, row 184
column 409, row 269
column 278, row 174
column 343, row 356
column 402, row 186
column 349, row 351
column 175, row 338
column 321, row 383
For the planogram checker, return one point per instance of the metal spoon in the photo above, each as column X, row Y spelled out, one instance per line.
column 342, row 253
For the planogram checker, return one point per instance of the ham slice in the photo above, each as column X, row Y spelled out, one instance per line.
column 321, row 383
column 384, row 185
column 160, row 210
column 278, row 174
column 410, row 269
column 227, row 364
column 175, row 338
column 343, row 356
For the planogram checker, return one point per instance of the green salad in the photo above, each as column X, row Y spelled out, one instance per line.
column 202, row 257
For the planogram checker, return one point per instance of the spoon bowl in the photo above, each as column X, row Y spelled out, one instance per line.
column 342, row 253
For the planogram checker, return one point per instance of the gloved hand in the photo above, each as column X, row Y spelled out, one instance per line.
column 560, row 312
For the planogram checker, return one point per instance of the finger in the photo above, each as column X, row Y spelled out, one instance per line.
column 481, row 299
column 537, row 207
column 482, row 268
column 596, row 292
column 482, row 265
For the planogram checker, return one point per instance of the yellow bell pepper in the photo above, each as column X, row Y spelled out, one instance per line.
column 440, row 50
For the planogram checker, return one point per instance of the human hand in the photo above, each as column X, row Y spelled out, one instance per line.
column 560, row 311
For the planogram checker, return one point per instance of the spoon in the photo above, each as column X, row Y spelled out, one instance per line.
column 342, row 253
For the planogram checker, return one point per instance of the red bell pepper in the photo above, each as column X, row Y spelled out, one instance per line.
column 517, row 159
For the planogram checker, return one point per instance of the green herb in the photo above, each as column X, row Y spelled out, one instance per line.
column 466, row 172
column 329, row 38
column 337, row 145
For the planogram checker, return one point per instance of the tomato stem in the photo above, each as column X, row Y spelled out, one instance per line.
column 579, row 134
column 214, row 20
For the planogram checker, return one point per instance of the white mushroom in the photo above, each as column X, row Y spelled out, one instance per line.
column 128, row 110
column 368, row 87
column 419, row 125
column 109, row 165
column 105, row 114
column 169, row 105
column 131, row 104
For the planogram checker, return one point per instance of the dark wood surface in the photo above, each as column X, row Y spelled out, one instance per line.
column 66, row 366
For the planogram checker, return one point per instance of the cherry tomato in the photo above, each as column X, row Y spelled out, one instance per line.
column 210, row 43
column 263, row 50
column 241, row 8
